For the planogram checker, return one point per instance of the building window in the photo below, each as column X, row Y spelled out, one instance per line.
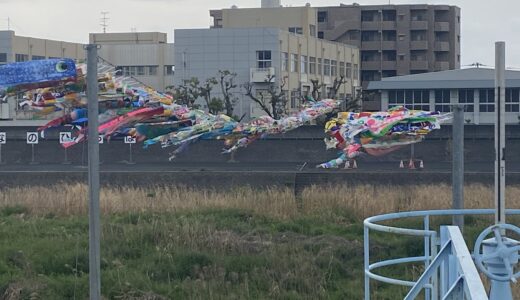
column 37, row 57
column 356, row 71
column 295, row 96
column 140, row 71
column 297, row 30
column 3, row 57
column 349, row 70
column 512, row 100
column 326, row 67
column 322, row 16
column 321, row 35
column 341, row 68
column 467, row 97
column 169, row 70
column 401, row 37
column 21, row 57
column 320, row 67
column 303, row 67
column 312, row 65
column 285, row 61
column 411, row 99
column 152, row 70
column 294, row 63
column 442, row 100
column 333, row 68
column 263, row 59
column 486, row 100
column 401, row 57
column 312, row 30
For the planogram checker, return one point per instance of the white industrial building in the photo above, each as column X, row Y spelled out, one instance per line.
column 437, row 91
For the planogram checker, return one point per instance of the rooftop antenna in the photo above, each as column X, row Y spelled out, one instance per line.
column 104, row 20
column 133, row 29
column 8, row 23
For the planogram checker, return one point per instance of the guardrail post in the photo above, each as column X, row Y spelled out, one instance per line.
column 427, row 257
column 367, row 261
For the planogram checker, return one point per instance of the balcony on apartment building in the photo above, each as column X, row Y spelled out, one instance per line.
column 378, row 45
column 442, row 65
column 376, row 65
column 418, row 25
column 419, row 65
column 378, row 25
column 260, row 74
column 419, row 45
column 442, row 26
column 441, row 46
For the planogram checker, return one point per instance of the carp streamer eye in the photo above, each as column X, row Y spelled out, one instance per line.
column 62, row 67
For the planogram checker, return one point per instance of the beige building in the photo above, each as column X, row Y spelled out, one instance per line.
column 145, row 56
column 14, row 48
column 298, row 20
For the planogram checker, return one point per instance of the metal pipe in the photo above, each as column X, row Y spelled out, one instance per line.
column 500, row 144
column 93, row 174
column 458, row 164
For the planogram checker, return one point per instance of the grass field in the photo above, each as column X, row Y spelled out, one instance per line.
column 180, row 243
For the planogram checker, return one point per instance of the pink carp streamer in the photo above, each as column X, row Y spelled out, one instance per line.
column 378, row 133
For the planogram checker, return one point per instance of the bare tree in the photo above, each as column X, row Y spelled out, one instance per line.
column 316, row 89
column 273, row 101
column 350, row 103
column 205, row 92
column 336, row 85
column 227, row 83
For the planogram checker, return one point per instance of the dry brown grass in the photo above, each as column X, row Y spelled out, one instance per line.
column 361, row 200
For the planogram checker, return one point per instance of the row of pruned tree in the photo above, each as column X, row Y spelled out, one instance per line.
column 272, row 99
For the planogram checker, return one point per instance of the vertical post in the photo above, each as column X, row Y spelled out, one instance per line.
column 458, row 163
column 500, row 143
column 1, row 162
column 131, row 158
column 32, row 154
column 93, row 174
column 366, row 241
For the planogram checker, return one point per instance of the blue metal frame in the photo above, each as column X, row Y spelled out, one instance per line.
column 431, row 242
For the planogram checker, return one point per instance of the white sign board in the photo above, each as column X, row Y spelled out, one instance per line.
column 32, row 138
column 66, row 137
column 3, row 138
column 130, row 140
column 101, row 139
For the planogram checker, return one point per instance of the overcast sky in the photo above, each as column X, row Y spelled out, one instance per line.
column 483, row 22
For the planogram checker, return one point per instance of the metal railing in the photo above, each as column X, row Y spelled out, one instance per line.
column 433, row 288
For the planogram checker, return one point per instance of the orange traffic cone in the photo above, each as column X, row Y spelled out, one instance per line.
column 421, row 165
column 354, row 165
column 347, row 164
column 411, row 165
column 401, row 165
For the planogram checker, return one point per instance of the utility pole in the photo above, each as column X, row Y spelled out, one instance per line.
column 500, row 137
column 458, row 163
column 93, row 174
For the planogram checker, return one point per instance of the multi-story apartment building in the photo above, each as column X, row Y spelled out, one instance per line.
column 145, row 56
column 14, row 48
column 395, row 39
column 255, row 53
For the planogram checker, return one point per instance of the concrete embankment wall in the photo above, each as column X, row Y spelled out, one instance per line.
column 302, row 145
